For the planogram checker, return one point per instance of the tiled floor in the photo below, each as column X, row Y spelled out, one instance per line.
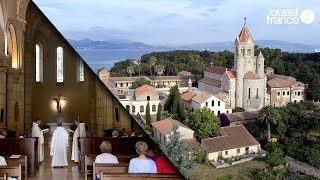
column 72, row 172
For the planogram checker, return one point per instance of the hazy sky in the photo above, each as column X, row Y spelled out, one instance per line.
column 182, row 21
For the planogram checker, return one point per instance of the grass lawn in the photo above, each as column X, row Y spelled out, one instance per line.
column 208, row 172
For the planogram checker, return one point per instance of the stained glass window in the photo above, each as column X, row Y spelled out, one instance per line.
column 81, row 71
column 38, row 62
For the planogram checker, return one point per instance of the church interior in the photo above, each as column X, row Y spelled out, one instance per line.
column 43, row 77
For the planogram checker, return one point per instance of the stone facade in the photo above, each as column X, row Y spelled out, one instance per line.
column 23, row 99
column 245, row 83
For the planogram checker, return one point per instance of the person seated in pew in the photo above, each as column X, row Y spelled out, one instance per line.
column 2, row 161
column 165, row 166
column 142, row 164
column 152, row 154
column 106, row 157
column 115, row 134
column 3, row 134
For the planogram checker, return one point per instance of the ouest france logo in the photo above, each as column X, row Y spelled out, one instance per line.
column 290, row 16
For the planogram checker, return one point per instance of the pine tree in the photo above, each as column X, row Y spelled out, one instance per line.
column 175, row 106
column 177, row 151
column 159, row 112
column 181, row 111
column 148, row 116
column 174, row 91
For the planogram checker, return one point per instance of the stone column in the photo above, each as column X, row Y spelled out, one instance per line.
column 4, row 62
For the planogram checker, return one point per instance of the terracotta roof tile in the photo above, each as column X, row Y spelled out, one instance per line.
column 221, row 95
column 192, row 143
column 187, row 96
column 165, row 126
column 284, row 81
column 146, row 88
column 232, row 74
column 244, row 34
column 233, row 137
column 242, row 116
column 251, row 75
column 200, row 98
column 212, row 82
column 216, row 69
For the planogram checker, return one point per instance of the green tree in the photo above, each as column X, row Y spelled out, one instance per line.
column 148, row 116
column 200, row 156
column 181, row 111
column 177, row 151
column 140, row 82
column 315, row 87
column 269, row 114
column 238, row 109
column 130, row 70
column 174, row 91
column 152, row 61
column 159, row 69
column 275, row 155
column 159, row 112
column 203, row 122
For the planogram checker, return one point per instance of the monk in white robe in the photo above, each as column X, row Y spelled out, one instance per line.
column 58, row 149
column 36, row 132
column 79, row 132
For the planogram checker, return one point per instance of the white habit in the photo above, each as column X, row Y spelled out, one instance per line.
column 79, row 132
column 36, row 132
column 58, row 149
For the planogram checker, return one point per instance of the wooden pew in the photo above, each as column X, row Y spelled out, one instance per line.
column 120, row 145
column 14, row 171
column 109, row 168
column 3, row 177
column 125, row 176
column 22, row 146
column 16, row 161
column 89, row 160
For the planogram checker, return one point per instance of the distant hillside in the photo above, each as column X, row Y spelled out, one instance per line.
column 121, row 44
column 229, row 45
column 212, row 46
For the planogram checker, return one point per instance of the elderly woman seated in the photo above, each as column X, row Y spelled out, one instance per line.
column 142, row 164
column 3, row 134
column 106, row 157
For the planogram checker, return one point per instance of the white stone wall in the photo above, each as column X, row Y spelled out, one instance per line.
column 215, row 108
column 184, row 132
column 255, row 100
column 209, row 88
column 233, row 152
column 212, row 75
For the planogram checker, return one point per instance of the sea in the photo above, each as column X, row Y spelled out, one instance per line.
column 98, row 58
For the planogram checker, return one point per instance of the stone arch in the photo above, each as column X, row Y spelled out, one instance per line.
column 22, row 6
column 12, row 49
column 2, row 32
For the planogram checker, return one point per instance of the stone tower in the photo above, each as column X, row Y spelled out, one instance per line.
column 250, row 86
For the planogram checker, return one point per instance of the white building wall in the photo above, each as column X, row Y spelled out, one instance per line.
column 215, row 108
column 233, row 152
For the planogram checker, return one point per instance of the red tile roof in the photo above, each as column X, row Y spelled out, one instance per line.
column 202, row 97
column 233, row 137
column 216, row 69
column 165, row 126
column 187, row 96
column 244, row 34
column 251, row 75
column 146, row 88
column 209, row 81
column 232, row 74
column 192, row 143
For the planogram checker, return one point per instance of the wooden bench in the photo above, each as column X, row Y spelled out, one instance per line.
column 109, row 168
column 125, row 176
column 13, row 171
column 23, row 160
column 120, row 145
column 89, row 160
column 3, row 177
column 22, row 146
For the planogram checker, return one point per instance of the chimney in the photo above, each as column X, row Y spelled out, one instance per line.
column 189, row 85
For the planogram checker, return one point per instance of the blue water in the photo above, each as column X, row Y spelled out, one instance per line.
column 98, row 58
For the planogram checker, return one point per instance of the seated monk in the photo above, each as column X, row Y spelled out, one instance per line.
column 106, row 157
column 165, row 166
column 142, row 164
column 3, row 134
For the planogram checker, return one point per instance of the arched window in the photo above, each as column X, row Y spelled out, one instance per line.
column 59, row 64
column 128, row 108
column 141, row 108
column 148, row 98
column 39, row 63
column 133, row 109
column 81, row 71
column 154, row 108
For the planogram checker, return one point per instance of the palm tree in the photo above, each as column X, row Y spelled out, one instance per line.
column 152, row 61
column 269, row 114
column 130, row 70
column 159, row 69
